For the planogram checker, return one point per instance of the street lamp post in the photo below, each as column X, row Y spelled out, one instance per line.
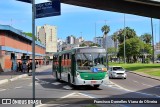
column 33, row 49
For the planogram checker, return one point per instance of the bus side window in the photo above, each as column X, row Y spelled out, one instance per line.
column 62, row 61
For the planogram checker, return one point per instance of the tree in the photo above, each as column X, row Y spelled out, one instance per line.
column 105, row 29
column 82, row 45
column 112, row 52
column 158, row 56
column 114, row 38
column 133, row 47
column 146, row 38
column 128, row 32
column 30, row 35
column 94, row 44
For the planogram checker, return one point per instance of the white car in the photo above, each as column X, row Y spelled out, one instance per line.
column 117, row 72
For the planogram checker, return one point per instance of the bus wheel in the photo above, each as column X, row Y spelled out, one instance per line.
column 96, row 86
column 69, row 80
column 57, row 77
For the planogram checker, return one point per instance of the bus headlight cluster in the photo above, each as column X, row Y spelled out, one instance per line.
column 104, row 69
column 78, row 75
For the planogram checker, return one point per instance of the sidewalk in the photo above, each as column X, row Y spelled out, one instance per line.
column 145, row 75
column 12, row 76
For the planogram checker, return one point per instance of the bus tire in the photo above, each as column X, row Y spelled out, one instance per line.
column 57, row 76
column 69, row 80
column 96, row 86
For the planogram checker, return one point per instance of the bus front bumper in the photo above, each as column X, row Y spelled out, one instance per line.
column 80, row 81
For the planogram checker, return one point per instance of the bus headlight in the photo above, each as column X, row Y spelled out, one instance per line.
column 78, row 75
column 104, row 69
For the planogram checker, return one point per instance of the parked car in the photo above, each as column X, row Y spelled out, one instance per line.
column 158, row 60
column 117, row 72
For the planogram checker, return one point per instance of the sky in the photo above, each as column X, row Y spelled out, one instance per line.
column 75, row 20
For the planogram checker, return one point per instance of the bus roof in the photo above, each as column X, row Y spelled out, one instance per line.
column 83, row 50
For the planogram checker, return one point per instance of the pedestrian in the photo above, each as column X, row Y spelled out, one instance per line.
column 28, row 67
column 36, row 64
column 39, row 63
column 12, row 67
column 24, row 67
column 20, row 67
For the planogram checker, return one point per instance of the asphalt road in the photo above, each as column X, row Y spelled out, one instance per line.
column 47, row 87
column 140, row 84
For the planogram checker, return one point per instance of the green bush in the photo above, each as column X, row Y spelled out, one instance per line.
column 147, row 60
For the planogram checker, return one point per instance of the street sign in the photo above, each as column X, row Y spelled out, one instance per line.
column 48, row 9
column 27, row 1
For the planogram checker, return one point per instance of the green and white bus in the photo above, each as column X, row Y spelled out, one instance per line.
column 81, row 66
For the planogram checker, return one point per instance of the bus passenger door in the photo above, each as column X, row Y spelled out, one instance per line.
column 60, row 68
column 73, row 66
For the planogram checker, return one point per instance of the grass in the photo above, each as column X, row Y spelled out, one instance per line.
column 151, row 69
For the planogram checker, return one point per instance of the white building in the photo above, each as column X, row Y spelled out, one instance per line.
column 70, row 40
column 99, row 41
column 60, row 43
column 107, row 42
column 79, row 40
column 47, row 34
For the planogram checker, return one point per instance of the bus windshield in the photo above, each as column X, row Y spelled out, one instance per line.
column 87, row 60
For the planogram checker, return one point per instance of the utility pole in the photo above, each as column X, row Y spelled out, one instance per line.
column 95, row 33
column 159, row 36
column 95, row 30
column 155, row 33
column 152, row 41
column 124, row 41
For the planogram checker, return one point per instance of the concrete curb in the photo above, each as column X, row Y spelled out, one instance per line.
column 12, row 79
column 4, row 81
column 21, row 76
column 143, row 75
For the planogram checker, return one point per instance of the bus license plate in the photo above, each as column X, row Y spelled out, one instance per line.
column 93, row 82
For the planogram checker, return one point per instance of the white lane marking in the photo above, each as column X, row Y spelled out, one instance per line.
column 44, row 82
column 86, row 95
column 43, row 105
column 37, row 78
column 147, row 85
column 135, row 81
column 116, row 85
column 75, row 95
column 56, row 83
column 3, row 89
column 31, row 84
column 67, row 87
column 68, row 95
column 136, row 92
column 143, row 83
column 18, row 87
column 41, row 81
